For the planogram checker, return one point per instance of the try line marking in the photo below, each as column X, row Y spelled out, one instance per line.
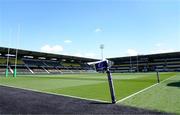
column 38, row 91
column 143, row 90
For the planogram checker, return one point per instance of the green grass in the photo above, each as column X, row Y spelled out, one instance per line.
column 164, row 97
column 95, row 86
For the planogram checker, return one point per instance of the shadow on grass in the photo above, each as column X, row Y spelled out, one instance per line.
column 174, row 84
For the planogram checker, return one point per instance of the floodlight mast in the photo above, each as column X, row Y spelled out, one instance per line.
column 102, row 47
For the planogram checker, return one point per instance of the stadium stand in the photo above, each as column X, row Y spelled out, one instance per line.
column 52, row 63
column 165, row 62
column 39, row 70
column 3, row 61
column 30, row 62
column 33, row 62
column 53, row 70
column 20, row 70
column 71, row 64
column 2, row 70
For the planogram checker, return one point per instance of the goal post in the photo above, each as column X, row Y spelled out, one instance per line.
column 7, row 64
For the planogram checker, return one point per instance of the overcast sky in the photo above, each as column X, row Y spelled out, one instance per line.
column 78, row 27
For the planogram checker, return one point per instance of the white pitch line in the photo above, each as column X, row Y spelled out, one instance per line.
column 55, row 94
column 136, row 93
column 143, row 90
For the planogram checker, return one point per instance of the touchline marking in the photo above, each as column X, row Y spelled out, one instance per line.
column 88, row 99
column 143, row 90
column 136, row 93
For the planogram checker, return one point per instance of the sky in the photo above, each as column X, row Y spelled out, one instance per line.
column 79, row 27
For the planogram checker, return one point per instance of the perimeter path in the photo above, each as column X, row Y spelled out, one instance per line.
column 19, row 101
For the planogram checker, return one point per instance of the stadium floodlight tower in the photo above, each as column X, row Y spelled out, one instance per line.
column 104, row 65
column 102, row 47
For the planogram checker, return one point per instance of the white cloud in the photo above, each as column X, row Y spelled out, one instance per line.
column 67, row 41
column 52, row 49
column 132, row 52
column 98, row 30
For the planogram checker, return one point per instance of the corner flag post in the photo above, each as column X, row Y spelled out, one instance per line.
column 104, row 66
column 111, row 86
column 157, row 76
